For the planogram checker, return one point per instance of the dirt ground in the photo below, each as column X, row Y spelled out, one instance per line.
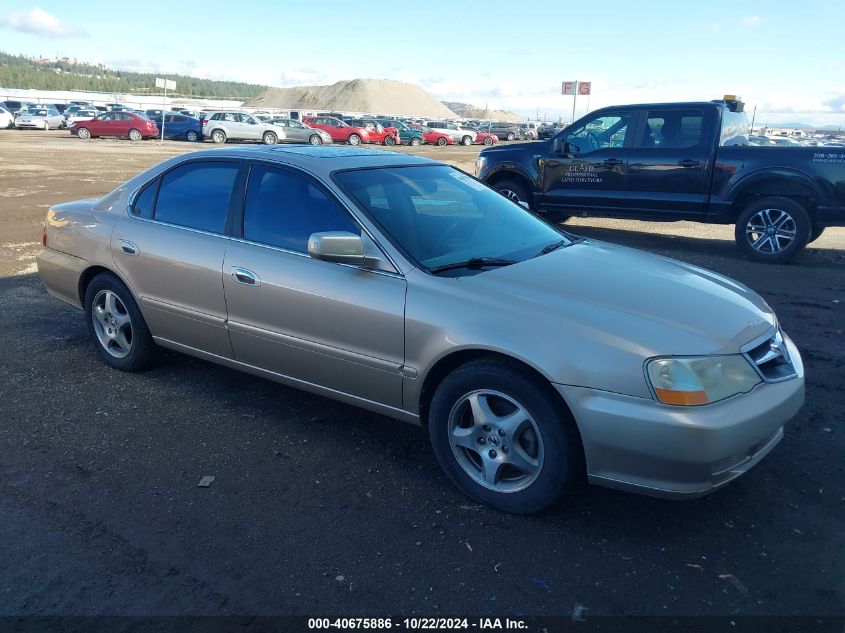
column 320, row 508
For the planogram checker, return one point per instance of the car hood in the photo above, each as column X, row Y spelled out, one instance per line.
column 624, row 298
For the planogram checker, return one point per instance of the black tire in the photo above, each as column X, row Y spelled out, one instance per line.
column 192, row 136
column 269, row 138
column 441, row 141
column 415, row 141
column 789, row 221
column 354, row 139
column 488, row 140
column 514, row 190
column 135, row 135
column 315, row 139
column 467, row 140
column 816, row 233
column 218, row 136
column 83, row 133
column 142, row 349
column 562, row 462
column 511, row 136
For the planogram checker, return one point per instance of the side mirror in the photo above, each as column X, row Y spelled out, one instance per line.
column 340, row 247
column 562, row 147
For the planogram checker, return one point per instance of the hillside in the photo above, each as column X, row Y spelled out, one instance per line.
column 17, row 71
column 469, row 111
column 384, row 96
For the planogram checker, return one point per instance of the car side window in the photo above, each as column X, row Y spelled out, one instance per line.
column 673, row 129
column 196, row 195
column 600, row 132
column 283, row 209
column 144, row 201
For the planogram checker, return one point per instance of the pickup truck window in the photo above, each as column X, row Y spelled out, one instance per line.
column 735, row 129
column 674, row 129
column 606, row 130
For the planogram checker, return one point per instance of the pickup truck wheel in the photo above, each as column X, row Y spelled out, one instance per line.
column 354, row 139
column 269, row 138
column 415, row 141
column 816, row 233
column 502, row 438
column 218, row 136
column 116, row 325
column 513, row 190
column 441, row 141
column 772, row 230
column 467, row 140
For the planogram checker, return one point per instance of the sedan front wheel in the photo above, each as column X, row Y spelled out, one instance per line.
column 503, row 438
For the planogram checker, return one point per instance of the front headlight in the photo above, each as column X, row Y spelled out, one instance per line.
column 700, row 380
column 480, row 163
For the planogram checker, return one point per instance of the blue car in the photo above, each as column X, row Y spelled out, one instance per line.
column 178, row 127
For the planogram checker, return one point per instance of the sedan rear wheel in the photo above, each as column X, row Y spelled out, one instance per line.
column 116, row 325
column 441, row 141
column 270, row 138
column 83, row 133
column 488, row 140
column 315, row 139
column 390, row 141
column 502, row 437
column 135, row 135
column 467, row 140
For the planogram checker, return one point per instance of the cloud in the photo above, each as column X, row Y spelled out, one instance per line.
column 39, row 22
column 752, row 20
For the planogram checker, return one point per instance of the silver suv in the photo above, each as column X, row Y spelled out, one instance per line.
column 239, row 126
column 461, row 135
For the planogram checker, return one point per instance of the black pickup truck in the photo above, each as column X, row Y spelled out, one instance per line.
column 677, row 161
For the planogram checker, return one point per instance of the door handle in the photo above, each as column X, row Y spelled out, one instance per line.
column 246, row 277
column 128, row 247
column 612, row 162
column 688, row 162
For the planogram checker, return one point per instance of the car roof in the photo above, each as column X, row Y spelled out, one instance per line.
column 320, row 160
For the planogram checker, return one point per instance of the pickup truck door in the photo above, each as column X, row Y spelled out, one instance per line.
column 670, row 161
column 589, row 170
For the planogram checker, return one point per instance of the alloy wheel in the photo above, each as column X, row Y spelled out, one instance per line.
column 112, row 324
column 496, row 441
column 771, row 231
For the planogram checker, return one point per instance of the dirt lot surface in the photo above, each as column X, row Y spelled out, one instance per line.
column 319, row 508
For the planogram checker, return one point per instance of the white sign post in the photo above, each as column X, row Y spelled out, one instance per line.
column 167, row 84
column 585, row 88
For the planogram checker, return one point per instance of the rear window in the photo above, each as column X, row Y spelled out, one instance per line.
column 197, row 195
column 735, row 129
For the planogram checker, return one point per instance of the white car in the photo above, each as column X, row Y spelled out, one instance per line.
column 80, row 115
column 6, row 118
column 39, row 118
column 239, row 126
column 464, row 136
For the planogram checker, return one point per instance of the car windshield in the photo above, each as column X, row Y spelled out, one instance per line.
column 439, row 215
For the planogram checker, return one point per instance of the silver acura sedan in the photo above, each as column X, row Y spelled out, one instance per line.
column 404, row 286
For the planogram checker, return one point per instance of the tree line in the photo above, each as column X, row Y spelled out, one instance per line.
column 21, row 72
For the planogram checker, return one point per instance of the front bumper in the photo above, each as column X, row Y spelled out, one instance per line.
column 640, row 445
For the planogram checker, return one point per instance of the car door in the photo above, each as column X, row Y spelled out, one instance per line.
column 170, row 248
column 100, row 126
column 585, row 168
column 337, row 326
column 670, row 162
column 297, row 132
column 250, row 126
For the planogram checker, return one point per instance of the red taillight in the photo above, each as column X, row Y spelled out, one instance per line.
column 43, row 234
column 205, row 121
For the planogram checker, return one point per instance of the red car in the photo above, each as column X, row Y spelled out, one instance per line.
column 378, row 134
column 430, row 136
column 338, row 130
column 123, row 124
column 485, row 138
